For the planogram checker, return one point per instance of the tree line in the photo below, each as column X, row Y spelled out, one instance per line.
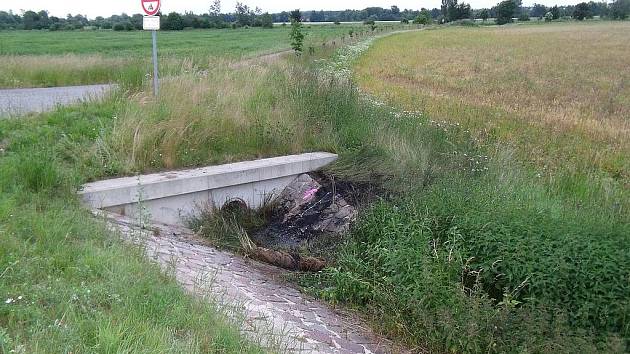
column 244, row 16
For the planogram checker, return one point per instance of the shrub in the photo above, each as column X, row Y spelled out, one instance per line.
column 119, row 27
column 422, row 20
column 524, row 17
column 549, row 16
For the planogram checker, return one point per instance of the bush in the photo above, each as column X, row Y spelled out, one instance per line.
column 549, row 16
column 119, row 27
column 422, row 20
column 524, row 17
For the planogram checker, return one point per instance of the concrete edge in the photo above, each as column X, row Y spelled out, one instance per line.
column 126, row 190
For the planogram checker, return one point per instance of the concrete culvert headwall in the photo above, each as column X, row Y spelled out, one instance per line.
column 173, row 197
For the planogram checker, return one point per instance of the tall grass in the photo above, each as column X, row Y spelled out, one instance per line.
column 68, row 70
column 220, row 115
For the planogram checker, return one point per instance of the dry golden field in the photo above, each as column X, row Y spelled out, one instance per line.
column 559, row 94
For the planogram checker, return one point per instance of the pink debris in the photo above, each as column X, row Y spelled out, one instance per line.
column 309, row 194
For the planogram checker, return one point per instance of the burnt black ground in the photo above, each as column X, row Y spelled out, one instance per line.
column 299, row 233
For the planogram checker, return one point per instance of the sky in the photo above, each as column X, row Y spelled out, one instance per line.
column 93, row 8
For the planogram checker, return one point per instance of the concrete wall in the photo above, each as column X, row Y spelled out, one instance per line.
column 171, row 197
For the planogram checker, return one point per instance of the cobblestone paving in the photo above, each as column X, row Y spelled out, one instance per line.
column 275, row 313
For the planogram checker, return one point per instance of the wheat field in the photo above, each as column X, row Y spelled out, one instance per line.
column 559, row 94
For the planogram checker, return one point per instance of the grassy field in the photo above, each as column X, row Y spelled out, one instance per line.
column 232, row 43
column 42, row 58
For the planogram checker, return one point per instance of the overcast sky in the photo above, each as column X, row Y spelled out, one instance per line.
column 93, row 8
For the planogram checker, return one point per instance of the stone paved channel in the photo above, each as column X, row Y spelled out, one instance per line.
column 14, row 102
column 275, row 313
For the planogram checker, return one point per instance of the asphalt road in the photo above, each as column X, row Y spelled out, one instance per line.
column 16, row 102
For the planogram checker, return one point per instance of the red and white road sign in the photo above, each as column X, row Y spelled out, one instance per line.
column 151, row 7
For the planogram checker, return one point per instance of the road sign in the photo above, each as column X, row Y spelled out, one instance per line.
column 151, row 7
column 151, row 23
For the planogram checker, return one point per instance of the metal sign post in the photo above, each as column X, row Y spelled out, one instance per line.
column 151, row 23
column 156, row 81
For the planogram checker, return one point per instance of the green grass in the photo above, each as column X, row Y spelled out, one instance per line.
column 231, row 43
column 75, row 286
column 90, row 57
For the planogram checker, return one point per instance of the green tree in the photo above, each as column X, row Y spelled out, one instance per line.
column 297, row 33
column 538, row 10
column 173, row 22
column 582, row 11
column 452, row 11
column 215, row 18
column 524, row 16
column 244, row 15
column 266, row 20
column 483, row 14
column 555, row 11
column 505, row 10
column 422, row 19
column 620, row 9
column 30, row 20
